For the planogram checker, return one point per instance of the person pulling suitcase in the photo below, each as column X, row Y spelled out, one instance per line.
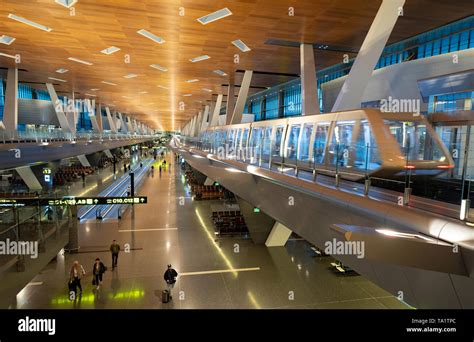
column 170, row 279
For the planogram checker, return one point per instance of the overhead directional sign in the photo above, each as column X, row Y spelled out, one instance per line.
column 20, row 202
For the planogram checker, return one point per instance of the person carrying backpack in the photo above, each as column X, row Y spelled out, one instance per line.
column 170, row 279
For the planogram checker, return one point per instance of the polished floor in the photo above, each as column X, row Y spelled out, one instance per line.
column 214, row 273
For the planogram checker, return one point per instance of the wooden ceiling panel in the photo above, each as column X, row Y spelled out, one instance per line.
column 99, row 24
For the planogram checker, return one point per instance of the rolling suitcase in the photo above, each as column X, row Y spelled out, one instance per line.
column 165, row 296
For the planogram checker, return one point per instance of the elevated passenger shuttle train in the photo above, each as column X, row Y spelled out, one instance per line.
column 354, row 143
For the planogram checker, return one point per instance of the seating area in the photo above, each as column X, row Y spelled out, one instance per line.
column 229, row 222
column 67, row 174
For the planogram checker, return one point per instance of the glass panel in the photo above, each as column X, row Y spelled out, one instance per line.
column 256, row 144
column 367, row 155
column 320, row 141
column 341, row 143
column 292, row 145
column 266, row 146
column 305, row 141
column 277, row 143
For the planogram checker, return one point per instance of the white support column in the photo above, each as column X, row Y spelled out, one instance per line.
column 193, row 125
column 205, row 117
column 113, row 129
column 278, row 236
column 98, row 116
column 241, row 99
column 83, row 160
column 230, row 99
column 57, row 105
column 208, row 181
column 29, row 178
column 10, row 111
column 135, row 127
column 129, row 124
column 198, row 124
column 108, row 153
column 309, row 85
column 350, row 96
column 213, row 121
column 123, row 124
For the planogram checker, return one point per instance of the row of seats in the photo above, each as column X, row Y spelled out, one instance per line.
column 66, row 174
column 229, row 222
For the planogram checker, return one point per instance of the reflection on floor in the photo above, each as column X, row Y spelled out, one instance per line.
column 214, row 273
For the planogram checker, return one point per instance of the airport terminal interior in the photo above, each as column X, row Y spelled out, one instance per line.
column 197, row 154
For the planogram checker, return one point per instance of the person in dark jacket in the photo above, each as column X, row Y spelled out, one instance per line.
column 170, row 278
column 97, row 271
column 114, row 249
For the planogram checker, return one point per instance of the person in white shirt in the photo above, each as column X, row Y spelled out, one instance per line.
column 76, row 273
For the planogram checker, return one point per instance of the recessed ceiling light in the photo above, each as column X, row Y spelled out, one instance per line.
column 109, row 83
column 192, row 81
column 110, row 50
column 7, row 55
column 208, row 90
column 66, row 3
column 29, row 22
column 79, row 61
column 225, row 12
column 90, row 94
column 159, row 67
column 199, row 58
column 56, row 79
column 162, row 87
column 151, row 36
column 62, row 71
column 188, row 95
column 220, row 72
column 7, row 40
column 241, row 45
column 130, row 76
column 95, row 89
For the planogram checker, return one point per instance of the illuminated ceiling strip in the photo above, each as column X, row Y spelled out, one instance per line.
column 79, row 61
column 217, row 15
column 151, row 36
column 110, row 50
column 66, row 3
column 109, row 83
column 199, row 58
column 241, row 45
column 7, row 55
column 7, row 40
column 220, row 72
column 62, row 71
column 159, row 67
column 56, row 79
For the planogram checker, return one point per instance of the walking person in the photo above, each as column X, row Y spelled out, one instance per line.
column 170, row 279
column 97, row 271
column 114, row 249
column 76, row 273
column 129, row 191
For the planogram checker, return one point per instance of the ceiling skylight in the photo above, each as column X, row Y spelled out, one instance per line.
column 159, row 67
column 241, row 45
column 29, row 22
column 109, row 83
column 192, row 81
column 162, row 87
column 110, row 50
column 209, row 18
column 151, row 36
column 208, row 90
column 220, row 72
column 62, row 71
column 66, row 3
column 130, row 76
column 56, row 79
column 7, row 40
column 199, row 58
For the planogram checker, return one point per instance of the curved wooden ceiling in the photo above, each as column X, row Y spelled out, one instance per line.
column 99, row 24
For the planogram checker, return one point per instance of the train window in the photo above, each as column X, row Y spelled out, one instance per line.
column 414, row 141
column 266, row 146
column 292, row 145
column 255, row 144
column 277, row 142
column 341, row 147
column 231, row 138
column 366, row 150
column 237, row 139
column 305, row 141
column 320, row 140
column 245, row 136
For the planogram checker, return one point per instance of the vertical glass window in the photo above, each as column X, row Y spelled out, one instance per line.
column 320, row 141
column 305, row 141
column 292, row 145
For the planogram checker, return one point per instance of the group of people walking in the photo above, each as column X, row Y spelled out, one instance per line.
column 77, row 272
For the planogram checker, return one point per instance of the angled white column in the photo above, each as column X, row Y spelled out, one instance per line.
column 205, row 117
column 129, row 123
column 350, row 96
column 123, row 125
column 278, row 236
column 135, row 127
column 214, row 120
column 241, row 99
column 58, row 108
column 10, row 111
column 29, row 178
column 198, row 124
column 230, row 99
column 83, row 160
column 98, row 116
column 111, row 121
column 309, row 85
